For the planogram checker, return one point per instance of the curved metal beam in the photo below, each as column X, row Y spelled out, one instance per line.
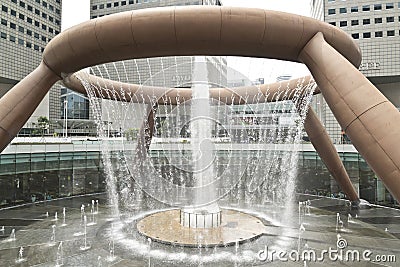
column 135, row 93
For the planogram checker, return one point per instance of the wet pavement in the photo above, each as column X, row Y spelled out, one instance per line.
column 312, row 227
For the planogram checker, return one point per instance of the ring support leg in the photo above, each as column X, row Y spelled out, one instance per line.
column 328, row 153
column 366, row 115
column 21, row 101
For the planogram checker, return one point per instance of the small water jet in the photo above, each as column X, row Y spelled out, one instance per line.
column 85, row 244
column 339, row 222
column 60, row 255
column 20, row 257
column 12, row 235
column 53, row 235
column 111, row 246
column 64, row 218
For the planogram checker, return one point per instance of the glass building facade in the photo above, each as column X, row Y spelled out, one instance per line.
column 75, row 105
column 32, row 172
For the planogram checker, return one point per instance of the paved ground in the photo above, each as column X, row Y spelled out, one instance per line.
column 315, row 230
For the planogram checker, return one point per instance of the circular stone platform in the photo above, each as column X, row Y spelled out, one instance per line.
column 236, row 227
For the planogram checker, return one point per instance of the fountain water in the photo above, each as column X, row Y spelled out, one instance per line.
column 60, row 255
column 12, row 235
column 20, row 257
column 205, row 213
column 64, row 217
column 85, row 244
column 53, row 235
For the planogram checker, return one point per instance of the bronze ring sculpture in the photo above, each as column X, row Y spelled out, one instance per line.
column 331, row 55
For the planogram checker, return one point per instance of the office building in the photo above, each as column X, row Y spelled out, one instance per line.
column 25, row 29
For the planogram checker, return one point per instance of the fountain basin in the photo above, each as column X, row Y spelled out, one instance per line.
column 235, row 227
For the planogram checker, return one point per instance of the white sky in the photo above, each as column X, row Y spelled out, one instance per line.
column 77, row 11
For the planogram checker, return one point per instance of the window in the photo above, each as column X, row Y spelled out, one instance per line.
column 94, row 7
column 51, row 18
column 21, row 16
column 3, row 35
column 51, row 30
column 30, row 8
column 44, row 38
column 29, row 20
column 37, row 24
column 4, row 22
column 42, row 49
column 366, row 35
column 4, row 8
column 58, row 22
column 354, row 22
column 37, row 1
column 14, row 13
column 332, row 23
column 366, row 21
column 29, row 32
column 389, row 19
column 378, row 20
column 21, row 4
column 28, row 44
column 101, row 6
column 58, row 11
column 12, row 38
column 116, row 4
column 57, row 32
column 390, row 33
column 51, row 7
column 378, row 7
column 131, row 2
column 20, row 41
column 44, row 27
column 36, row 35
column 389, row 5
column 123, row 3
column 14, row 1
column 331, row 0
column 93, row 17
column 37, row 11
column 366, row 8
column 13, row 26
column 343, row 23
column 331, row 11
column 108, row 5
column 355, row 36
column 21, row 29
column 379, row 34
column 44, row 4
column 58, row 1
column 44, row 15
column 354, row 9
column 343, row 10
column 36, row 47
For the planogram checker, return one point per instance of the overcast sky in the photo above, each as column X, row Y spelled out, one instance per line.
column 77, row 11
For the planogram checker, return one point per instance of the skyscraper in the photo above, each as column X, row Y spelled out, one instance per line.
column 25, row 29
column 375, row 25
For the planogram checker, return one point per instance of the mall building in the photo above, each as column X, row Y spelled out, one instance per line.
column 375, row 25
